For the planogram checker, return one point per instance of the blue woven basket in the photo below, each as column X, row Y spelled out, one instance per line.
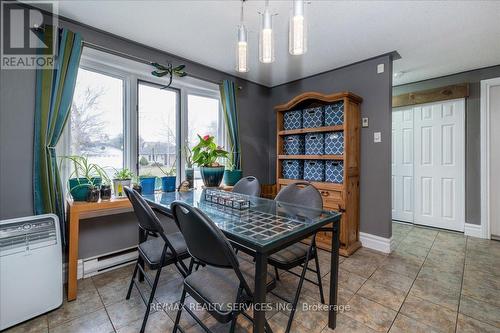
column 312, row 117
column 314, row 170
column 292, row 169
column 334, row 143
column 292, row 119
column 334, row 172
column 314, row 144
column 334, row 114
column 293, row 144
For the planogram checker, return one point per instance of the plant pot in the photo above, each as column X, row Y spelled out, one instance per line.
column 105, row 192
column 79, row 187
column 93, row 195
column 231, row 177
column 168, row 183
column 118, row 185
column 148, row 185
column 138, row 188
column 190, row 177
column 212, row 176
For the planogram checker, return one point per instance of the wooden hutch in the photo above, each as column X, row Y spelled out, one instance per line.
column 345, row 196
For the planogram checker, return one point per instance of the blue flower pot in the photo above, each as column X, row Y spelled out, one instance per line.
column 212, row 176
column 80, row 187
column 168, row 183
column 148, row 185
column 231, row 177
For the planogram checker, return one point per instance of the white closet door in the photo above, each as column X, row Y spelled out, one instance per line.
column 440, row 164
column 402, row 164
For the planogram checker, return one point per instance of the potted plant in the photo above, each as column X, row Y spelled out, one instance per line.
column 168, row 181
column 136, row 184
column 188, row 155
column 121, row 179
column 85, row 178
column 147, row 182
column 231, row 175
column 106, row 190
column 205, row 155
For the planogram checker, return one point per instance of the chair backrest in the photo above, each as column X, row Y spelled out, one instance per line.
column 301, row 193
column 204, row 240
column 248, row 185
column 148, row 220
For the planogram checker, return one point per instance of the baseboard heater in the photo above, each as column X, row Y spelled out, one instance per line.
column 95, row 265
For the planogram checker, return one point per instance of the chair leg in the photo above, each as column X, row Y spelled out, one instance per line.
column 299, row 289
column 276, row 273
column 132, row 280
column 181, row 305
column 233, row 324
column 318, row 274
column 151, row 298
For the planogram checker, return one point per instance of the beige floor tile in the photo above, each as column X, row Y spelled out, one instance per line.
column 359, row 265
column 158, row 322
column 88, row 301
column 392, row 279
column 470, row 325
column 483, row 245
column 169, row 292
column 349, row 280
column 382, row 294
column 479, row 310
column 481, row 289
column 242, row 326
column 371, row 314
column 348, row 325
column 428, row 313
column 408, row 266
column 436, row 293
column 125, row 312
column 406, row 249
column 450, row 280
column 36, row 325
column 279, row 321
column 103, row 279
column 187, row 320
column 404, row 324
column 95, row 322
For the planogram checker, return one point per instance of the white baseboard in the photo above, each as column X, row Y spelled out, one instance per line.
column 377, row 243
column 474, row 230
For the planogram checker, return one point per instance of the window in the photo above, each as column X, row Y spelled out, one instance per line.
column 96, row 123
column 157, row 141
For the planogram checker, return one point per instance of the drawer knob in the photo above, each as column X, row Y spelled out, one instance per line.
column 325, row 194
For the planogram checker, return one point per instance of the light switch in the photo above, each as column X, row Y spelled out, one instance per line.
column 380, row 68
column 364, row 122
column 377, row 137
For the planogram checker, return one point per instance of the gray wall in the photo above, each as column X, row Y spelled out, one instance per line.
column 375, row 89
column 472, row 128
column 16, row 139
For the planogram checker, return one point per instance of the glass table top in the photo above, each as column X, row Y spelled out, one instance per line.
column 263, row 223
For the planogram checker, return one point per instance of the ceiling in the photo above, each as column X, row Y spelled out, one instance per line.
column 434, row 38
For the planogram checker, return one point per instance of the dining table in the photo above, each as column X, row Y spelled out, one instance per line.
column 262, row 227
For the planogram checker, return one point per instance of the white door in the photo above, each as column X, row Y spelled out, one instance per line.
column 439, row 168
column 402, row 164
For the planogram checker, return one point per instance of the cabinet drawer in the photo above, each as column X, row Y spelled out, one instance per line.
column 332, row 199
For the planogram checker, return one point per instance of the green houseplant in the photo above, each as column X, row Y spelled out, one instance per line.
column 85, row 178
column 231, row 174
column 205, row 155
column 168, row 181
column 188, row 155
column 121, row 179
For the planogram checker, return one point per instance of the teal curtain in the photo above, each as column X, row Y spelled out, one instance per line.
column 54, row 94
column 228, row 98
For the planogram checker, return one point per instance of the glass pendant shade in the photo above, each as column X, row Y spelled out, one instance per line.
column 266, row 38
column 242, row 50
column 297, row 30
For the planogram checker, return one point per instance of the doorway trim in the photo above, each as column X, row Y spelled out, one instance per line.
column 485, row 156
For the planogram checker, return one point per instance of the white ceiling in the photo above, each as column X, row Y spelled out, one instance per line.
column 434, row 38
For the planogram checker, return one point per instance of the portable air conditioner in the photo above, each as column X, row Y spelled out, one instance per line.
column 30, row 268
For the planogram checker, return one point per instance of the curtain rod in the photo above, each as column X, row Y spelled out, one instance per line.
column 141, row 60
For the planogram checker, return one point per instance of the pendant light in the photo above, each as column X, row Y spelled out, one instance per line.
column 266, row 37
column 297, row 30
column 242, row 45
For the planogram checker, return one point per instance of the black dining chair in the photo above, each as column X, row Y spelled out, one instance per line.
column 299, row 254
column 248, row 185
column 157, row 250
column 224, row 285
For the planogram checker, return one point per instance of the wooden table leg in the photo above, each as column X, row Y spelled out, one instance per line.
column 334, row 272
column 259, row 313
column 74, row 225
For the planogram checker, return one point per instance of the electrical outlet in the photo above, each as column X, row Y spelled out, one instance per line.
column 377, row 137
column 380, row 68
column 364, row 122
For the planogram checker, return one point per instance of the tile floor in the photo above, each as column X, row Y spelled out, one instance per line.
column 435, row 281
